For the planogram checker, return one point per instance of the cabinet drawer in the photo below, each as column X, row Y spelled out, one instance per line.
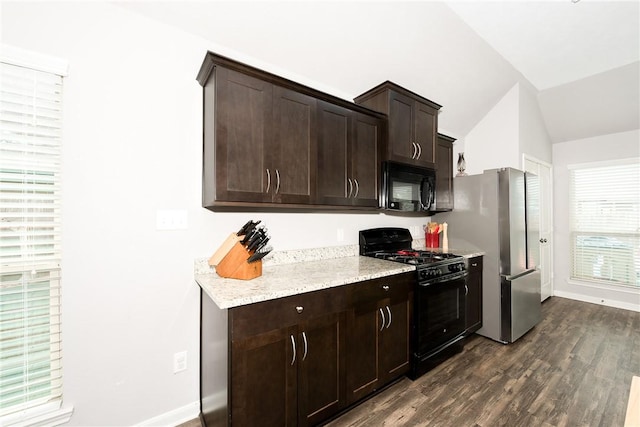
column 261, row 317
column 397, row 286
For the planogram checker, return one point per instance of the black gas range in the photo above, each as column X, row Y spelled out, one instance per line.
column 439, row 295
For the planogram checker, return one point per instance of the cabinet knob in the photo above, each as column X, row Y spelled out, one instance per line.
column 474, row 264
column 299, row 309
column 385, row 287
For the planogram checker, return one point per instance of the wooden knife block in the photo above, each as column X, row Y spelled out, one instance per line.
column 234, row 265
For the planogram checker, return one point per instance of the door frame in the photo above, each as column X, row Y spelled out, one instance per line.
column 549, row 207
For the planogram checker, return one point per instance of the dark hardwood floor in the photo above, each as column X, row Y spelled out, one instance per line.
column 572, row 369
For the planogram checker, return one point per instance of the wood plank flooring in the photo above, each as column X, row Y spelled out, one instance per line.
column 572, row 369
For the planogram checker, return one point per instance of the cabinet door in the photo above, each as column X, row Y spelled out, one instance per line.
column 291, row 156
column 444, row 175
column 394, row 349
column 474, row 296
column 401, row 144
column 334, row 132
column 364, row 321
column 426, row 125
column 365, row 160
column 242, row 133
column 378, row 333
column 321, row 362
column 264, row 379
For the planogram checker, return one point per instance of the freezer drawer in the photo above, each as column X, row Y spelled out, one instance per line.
column 521, row 307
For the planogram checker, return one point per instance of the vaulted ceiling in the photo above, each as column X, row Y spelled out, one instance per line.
column 581, row 57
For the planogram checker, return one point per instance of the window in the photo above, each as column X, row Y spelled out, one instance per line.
column 605, row 222
column 30, row 142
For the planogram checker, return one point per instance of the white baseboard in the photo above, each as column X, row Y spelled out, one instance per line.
column 175, row 417
column 594, row 300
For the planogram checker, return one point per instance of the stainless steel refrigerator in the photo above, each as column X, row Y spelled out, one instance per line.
column 498, row 212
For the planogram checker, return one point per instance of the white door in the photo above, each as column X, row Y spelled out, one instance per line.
column 543, row 170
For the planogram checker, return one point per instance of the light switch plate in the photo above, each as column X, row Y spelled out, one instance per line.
column 171, row 219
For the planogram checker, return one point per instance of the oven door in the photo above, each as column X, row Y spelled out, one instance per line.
column 439, row 314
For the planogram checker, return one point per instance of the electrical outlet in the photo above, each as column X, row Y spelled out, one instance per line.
column 179, row 362
column 171, row 219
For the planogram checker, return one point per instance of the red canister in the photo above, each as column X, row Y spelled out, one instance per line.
column 432, row 240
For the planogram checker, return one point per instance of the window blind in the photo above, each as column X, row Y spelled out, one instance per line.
column 30, row 145
column 605, row 223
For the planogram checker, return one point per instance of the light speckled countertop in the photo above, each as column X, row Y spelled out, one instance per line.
column 293, row 272
column 282, row 280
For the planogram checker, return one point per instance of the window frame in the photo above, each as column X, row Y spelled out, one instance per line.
column 615, row 235
column 46, row 412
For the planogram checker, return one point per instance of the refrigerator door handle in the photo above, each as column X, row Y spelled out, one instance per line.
column 520, row 274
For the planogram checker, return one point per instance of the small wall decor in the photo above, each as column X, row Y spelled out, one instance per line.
column 462, row 165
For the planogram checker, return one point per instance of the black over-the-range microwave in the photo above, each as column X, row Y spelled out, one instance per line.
column 407, row 187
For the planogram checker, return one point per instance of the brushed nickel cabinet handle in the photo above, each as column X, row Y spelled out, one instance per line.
column 415, row 150
column 304, row 338
column 382, row 317
column 389, row 311
column 357, row 188
column 466, row 290
column 278, row 181
column 419, row 150
column 350, row 187
column 293, row 346
column 268, row 180
column 299, row 309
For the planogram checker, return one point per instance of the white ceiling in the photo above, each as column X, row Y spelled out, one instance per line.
column 463, row 55
column 557, row 42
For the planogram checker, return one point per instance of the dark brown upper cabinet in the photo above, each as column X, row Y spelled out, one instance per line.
column 260, row 145
column 444, row 173
column 348, row 157
column 266, row 142
column 413, row 123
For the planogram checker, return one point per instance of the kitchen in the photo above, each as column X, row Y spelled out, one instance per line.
column 129, row 296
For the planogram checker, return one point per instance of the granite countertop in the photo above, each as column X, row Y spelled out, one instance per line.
column 282, row 280
column 295, row 272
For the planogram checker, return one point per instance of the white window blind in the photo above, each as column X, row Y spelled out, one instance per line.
column 30, row 143
column 605, row 223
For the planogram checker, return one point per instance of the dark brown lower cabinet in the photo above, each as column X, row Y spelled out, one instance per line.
column 263, row 382
column 300, row 360
column 287, row 361
column 378, row 333
column 474, row 295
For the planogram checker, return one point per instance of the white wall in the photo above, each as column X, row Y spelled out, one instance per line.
column 607, row 147
column 494, row 141
column 534, row 139
column 132, row 146
column 513, row 127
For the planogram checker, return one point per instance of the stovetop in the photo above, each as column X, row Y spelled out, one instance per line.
column 415, row 257
column 394, row 244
